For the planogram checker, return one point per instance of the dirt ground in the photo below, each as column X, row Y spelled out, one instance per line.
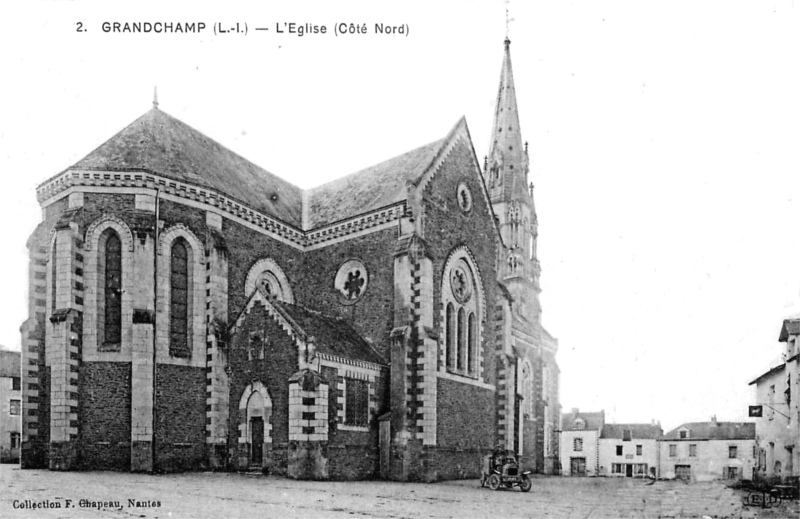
column 35, row 493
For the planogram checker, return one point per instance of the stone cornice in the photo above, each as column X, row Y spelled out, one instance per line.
column 218, row 202
column 350, row 362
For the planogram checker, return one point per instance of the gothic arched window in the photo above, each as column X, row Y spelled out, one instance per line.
column 462, row 343
column 472, row 349
column 112, row 292
column 450, row 336
column 461, row 318
column 179, row 281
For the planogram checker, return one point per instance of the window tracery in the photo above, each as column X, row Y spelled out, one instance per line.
column 461, row 320
column 266, row 275
column 351, row 281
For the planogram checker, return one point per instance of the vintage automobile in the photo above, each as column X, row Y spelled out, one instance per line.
column 500, row 469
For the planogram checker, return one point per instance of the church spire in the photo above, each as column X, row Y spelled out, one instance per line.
column 508, row 160
column 155, row 97
column 512, row 196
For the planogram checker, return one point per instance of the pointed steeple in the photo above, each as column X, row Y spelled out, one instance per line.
column 512, row 195
column 508, row 159
column 155, row 97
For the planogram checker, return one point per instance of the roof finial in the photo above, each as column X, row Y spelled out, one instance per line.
column 155, row 97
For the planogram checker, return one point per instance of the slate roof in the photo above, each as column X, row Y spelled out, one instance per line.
column 594, row 421
column 160, row 143
column 9, row 363
column 639, row 431
column 715, row 431
column 332, row 336
column 790, row 327
column 369, row 189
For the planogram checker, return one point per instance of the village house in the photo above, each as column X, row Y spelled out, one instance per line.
column 629, row 450
column 705, row 451
column 11, row 408
column 778, row 410
column 579, row 442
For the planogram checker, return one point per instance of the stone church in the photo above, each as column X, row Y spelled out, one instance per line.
column 189, row 310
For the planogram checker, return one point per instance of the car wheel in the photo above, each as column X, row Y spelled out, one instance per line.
column 494, row 482
column 525, row 486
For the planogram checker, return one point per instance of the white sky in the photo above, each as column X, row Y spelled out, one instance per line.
column 663, row 141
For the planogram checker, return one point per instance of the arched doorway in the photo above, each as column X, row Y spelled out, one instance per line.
column 255, row 428
column 255, row 439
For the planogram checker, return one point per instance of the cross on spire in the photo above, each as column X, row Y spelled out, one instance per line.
column 508, row 21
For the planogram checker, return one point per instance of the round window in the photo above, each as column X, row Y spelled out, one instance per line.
column 351, row 280
column 269, row 283
column 461, row 284
column 464, row 198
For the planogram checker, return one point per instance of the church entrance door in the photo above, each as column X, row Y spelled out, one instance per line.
column 257, row 435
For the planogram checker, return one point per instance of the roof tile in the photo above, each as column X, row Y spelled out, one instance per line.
column 715, row 431
column 369, row 189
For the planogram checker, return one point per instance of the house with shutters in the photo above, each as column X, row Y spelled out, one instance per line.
column 629, row 450
column 705, row 451
column 190, row 310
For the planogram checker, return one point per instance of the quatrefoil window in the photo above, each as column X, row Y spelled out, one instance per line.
column 460, row 284
column 351, row 280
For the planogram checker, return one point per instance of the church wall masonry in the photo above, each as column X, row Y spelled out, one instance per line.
column 180, row 418
column 35, row 374
column 245, row 247
column 446, row 229
column 353, row 454
column 372, row 313
column 105, row 415
column 261, row 352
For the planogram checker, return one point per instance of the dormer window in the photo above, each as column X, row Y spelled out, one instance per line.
column 683, row 434
column 579, row 424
